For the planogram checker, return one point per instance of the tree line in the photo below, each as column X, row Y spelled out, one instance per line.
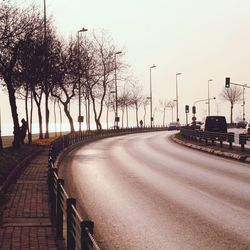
column 42, row 67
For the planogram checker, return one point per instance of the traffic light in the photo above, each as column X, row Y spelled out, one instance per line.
column 227, row 83
column 193, row 109
column 187, row 108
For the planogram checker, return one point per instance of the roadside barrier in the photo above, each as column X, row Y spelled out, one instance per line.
column 79, row 232
column 200, row 136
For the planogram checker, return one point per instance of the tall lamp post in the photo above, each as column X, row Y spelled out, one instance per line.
column 116, row 99
column 80, row 118
column 208, row 95
column 177, row 101
column 151, row 101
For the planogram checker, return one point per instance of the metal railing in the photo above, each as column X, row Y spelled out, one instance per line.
column 79, row 232
column 206, row 137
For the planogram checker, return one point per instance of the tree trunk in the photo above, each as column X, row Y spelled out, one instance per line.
column 27, row 111
column 231, row 113
column 123, row 117
column 127, row 114
column 60, row 111
column 144, row 115
column 67, row 113
column 164, row 117
column 47, row 114
column 137, row 120
column 31, row 118
column 40, row 118
column 107, row 116
column 97, row 121
column 55, row 117
column 12, row 101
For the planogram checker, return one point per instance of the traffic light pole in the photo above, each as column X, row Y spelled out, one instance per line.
column 227, row 85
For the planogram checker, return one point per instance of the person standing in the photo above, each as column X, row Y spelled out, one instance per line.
column 141, row 123
column 23, row 130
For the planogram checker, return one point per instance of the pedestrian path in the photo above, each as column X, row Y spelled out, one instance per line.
column 26, row 222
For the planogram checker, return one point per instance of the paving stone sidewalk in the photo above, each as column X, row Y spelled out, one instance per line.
column 26, row 222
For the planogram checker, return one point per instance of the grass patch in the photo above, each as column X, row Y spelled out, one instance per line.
column 44, row 142
column 10, row 157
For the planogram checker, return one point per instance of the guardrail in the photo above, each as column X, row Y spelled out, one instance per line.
column 205, row 136
column 79, row 232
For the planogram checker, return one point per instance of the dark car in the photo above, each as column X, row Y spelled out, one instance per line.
column 174, row 126
column 216, row 124
column 241, row 124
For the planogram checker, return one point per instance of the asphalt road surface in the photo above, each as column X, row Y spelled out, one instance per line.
column 145, row 192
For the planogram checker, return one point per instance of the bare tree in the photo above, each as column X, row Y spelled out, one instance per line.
column 233, row 95
column 16, row 26
column 137, row 99
column 164, row 104
column 101, row 73
column 171, row 105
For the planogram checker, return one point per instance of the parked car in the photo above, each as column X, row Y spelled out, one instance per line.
column 174, row 126
column 216, row 124
column 241, row 124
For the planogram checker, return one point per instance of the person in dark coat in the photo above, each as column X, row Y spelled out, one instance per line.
column 141, row 123
column 23, row 130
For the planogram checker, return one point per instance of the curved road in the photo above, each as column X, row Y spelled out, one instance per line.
column 145, row 192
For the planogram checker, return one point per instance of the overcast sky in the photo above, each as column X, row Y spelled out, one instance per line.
column 202, row 39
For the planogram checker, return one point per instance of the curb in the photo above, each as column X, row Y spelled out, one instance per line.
column 14, row 172
column 230, row 155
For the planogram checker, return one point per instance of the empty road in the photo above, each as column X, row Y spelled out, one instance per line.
column 145, row 192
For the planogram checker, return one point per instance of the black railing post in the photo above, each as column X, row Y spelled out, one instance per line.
column 70, row 224
column 59, row 209
column 53, row 192
column 230, row 139
column 86, row 226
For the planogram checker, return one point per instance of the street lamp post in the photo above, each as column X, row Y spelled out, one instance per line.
column 177, row 101
column 208, row 97
column 243, row 105
column 80, row 118
column 151, row 101
column 116, row 96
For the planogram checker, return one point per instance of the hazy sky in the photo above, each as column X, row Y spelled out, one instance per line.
column 201, row 39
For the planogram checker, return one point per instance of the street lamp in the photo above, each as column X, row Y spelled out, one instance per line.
column 116, row 101
column 208, row 97
column 177, row 101
column 151, row 101
column 80, row 118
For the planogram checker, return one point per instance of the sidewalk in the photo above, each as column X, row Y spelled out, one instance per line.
column 26, row 222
